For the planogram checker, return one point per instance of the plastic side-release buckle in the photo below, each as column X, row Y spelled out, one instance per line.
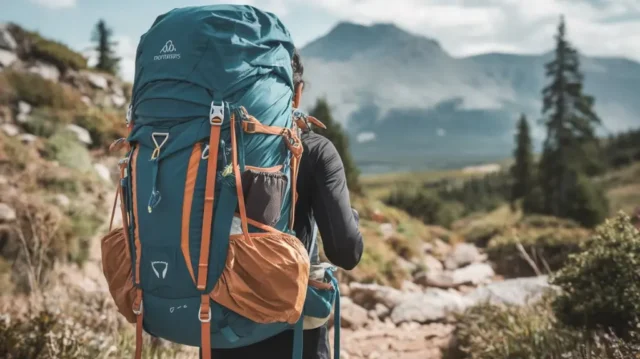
column 216, row 114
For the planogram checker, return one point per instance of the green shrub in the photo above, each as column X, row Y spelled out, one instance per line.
column 548, row 248
column 65, row 148
column 39, row 91
column 425, row 205
column 104, row 126
column 44, row 122
column 35, row 46
column 532, row 332
column 601, row 285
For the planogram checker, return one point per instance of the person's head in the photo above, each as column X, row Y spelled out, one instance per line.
column 298, row 82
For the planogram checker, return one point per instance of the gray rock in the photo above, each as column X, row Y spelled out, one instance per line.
column 7, row 58
column 387, row 230
column 7, row 214
column 28, row 138
column 10, row 130
column 62, row 200
column 47, row 71
column 6, row 39
column 432, row 264
column 382, row 312
column 96, row 80
column 24, row 107
column 368, row 295
column 432, row 305
column 83, row 134
column 118, row 101
column 86, row 100
column 411, row 287
column 117, row 89
column 103, row 171
column 352, row 315
column 519, row 291
column 463, row 254
column 473, row 274
column 408, row 266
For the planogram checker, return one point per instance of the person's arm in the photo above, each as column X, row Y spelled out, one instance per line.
column 341, row 238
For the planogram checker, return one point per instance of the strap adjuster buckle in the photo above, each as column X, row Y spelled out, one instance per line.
column 137, row 311
column 207, row 319
column 216, row 114
column 249, row 127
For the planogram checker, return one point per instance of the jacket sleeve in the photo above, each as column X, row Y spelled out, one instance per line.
column 341, row 238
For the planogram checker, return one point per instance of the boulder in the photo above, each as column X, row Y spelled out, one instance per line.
column 24, row 110
column 82, row 134
column 103, row 171
column 387, row 230
column 28, row 138
column 477, row 273
column 118, row 101
column 432, row 264
column 7, row 41
column 406, row 265
column 368, row 295
column 430, row 306
column 519, row 291
column 10, row 130
column 7, row 58
column 410, row 287
column 47, row 71
column 352, row 315
column 463, row 254
column 62, row 200
column 96, row 80
column 7, row 214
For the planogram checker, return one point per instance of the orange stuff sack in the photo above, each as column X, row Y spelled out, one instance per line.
column 116, row 266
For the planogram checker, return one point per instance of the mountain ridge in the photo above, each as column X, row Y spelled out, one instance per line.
column 402, row 89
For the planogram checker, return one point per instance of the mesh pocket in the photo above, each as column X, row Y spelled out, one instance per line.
column 264, row 193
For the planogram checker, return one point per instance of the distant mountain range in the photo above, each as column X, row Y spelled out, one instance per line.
column 407, row 104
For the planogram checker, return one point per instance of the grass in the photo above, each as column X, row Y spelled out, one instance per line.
column 47, row 50
column 38, row 91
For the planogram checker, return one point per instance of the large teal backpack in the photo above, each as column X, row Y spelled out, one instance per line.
column 208, row 183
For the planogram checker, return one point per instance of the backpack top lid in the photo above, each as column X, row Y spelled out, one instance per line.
column 193, row 55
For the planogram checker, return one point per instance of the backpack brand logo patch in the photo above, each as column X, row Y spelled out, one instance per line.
column 168, row 52
column 160, row 268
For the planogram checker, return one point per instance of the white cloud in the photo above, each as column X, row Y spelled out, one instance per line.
column 55, row 4
column 365, row 137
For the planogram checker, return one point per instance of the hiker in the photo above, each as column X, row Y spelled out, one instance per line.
column 323, row 198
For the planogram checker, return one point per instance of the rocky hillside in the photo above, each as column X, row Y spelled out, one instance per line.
column 409, row 104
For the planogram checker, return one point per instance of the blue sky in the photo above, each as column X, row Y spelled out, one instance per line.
column 463, row 27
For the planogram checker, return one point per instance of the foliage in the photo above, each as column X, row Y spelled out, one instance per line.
column 425, row 205
column 336, row 135
column 65, row 148
column 601, row 285
column 571, row 148
column 105, row 48
column 546, row 241
column 478, row 194
column 104, row 126
column 522, row 170
column 623, row 149
column 490, row 331
column 34, row 46
column 38, row 91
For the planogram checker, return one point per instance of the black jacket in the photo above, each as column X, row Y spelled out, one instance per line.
column 323, row 198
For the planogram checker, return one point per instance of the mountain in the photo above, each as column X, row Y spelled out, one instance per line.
column 408, row 104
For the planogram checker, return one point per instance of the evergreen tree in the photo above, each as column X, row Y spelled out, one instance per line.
column 522, row 170
column 107, row 59
column 336, row 135
column 570, row 121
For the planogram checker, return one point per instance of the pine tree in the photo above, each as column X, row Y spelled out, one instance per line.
column 570, row 122
column 107, row 59
column 522, row 170
column 336, row 135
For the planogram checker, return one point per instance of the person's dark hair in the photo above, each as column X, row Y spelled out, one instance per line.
column 298, row 69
